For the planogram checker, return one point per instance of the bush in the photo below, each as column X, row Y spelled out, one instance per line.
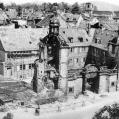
column 108, row 112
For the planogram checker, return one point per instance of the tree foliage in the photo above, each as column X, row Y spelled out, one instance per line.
column 108, row 112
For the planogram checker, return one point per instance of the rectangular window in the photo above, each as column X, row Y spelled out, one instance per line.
column 71, row 89
column 70, row 61
column 71, row 49
column 24, row 66
column 20, row 67
column 70, row 39
column 84, row 59
column 30, row 66
column 112, row 84
column 80, row 39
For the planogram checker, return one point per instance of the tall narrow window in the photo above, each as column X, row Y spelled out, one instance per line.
column 24, row 66
column 70, row 39
column 80, row 39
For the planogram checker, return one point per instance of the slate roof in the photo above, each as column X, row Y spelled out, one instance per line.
column 35, row 15
column 102, row 13
column 75, row 33
column 45, row 22
column 21, row 39
column 113, row 26
column 71, row 17
column 105, row 35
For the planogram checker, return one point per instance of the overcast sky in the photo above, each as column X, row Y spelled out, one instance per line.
column 115, row 2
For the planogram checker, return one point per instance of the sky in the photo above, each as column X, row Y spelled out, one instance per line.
column 115, row 2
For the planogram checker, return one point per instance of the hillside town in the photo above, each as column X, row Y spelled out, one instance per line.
column 53, row 60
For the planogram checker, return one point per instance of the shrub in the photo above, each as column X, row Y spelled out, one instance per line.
column 108, row 112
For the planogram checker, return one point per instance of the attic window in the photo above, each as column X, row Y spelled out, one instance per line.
column 99, row 41
column 64, row 32
column 74, row 19
column 30, row 42
column 80, row 39
column 67, row 19
column 70, row 39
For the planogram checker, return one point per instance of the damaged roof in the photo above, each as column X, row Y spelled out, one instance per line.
column 116, row 14
column 105, row 35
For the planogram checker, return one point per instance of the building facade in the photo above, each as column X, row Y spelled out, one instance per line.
column 18, row 51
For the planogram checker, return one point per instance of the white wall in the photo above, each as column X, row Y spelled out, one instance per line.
column 103, row 84
column 78, row 86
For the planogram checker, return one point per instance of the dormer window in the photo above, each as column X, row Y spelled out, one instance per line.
column 70, row 39
column 74, row 19
column 67, row 19
column 80, row 39
column 64, row 32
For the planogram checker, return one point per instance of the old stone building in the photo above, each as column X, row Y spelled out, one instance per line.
column 18, row 51
column 68, row 50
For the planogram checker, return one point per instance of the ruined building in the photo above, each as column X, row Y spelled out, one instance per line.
column 63, row 54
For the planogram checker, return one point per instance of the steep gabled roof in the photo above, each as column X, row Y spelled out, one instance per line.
column 105, row 36
column 21, row 39
column 45, row 22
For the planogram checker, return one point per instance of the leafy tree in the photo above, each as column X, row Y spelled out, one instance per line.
column 108, row 112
